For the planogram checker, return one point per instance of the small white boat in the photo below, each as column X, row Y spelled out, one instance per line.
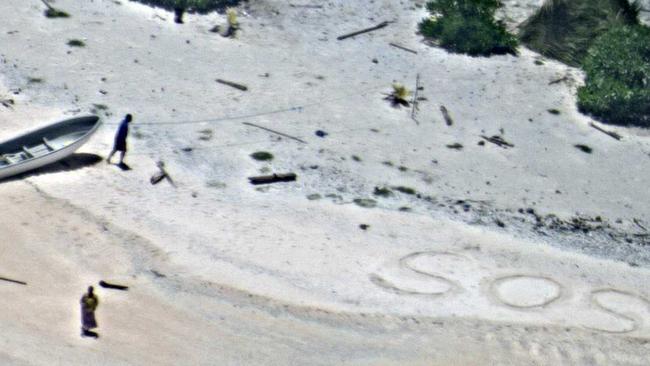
column 45, row 145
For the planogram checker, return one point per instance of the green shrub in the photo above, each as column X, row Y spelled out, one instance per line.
column 262, row 156
column 76, row 43
column 201, row 6
column 56, row 13
column 468, row 26
column 617, row 85
column 565, row 29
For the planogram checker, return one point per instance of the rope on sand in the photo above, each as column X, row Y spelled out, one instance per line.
column 298, row 108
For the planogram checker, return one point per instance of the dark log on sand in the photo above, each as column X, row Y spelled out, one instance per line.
column 498, row 140
column 403, row 48
column 378, row 26
column 267, row 179
column 241, row 87
column 162, row 174
column 306, row 6
column 113, row 286
column 13, row 281
column 611, row 134
column 445, row 114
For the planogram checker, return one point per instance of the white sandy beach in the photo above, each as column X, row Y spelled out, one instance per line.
column 461, row 272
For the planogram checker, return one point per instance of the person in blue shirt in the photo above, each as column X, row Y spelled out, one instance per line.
column 120, row 139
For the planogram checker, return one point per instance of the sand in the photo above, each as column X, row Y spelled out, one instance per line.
column 223, row 272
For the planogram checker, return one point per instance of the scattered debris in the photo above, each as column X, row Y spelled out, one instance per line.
column 314, row 196
column 113, row 286
column 455, row 146
column 446, row 116
column 206, row 134
column 7, row 103
column 275, row 132
column 13, row 281
column 583, row 148
column 321, row 133
column 241, row 87
column 365, row 202
column 158, row 274
column 306, row 6
column 612, row 134
column 378, row 26
column 403, row 48
column 162, row 174
column 267, row 179
column 498, row 140
column 415, row 99
column 562, row 79
column 405, row 190
column 382, row 191
column 636, row 221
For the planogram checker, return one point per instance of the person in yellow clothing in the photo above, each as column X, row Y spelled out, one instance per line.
column 89, row 303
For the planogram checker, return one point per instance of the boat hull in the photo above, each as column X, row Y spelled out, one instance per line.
column 68, row 136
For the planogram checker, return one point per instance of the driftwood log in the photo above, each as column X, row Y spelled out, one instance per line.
column 498, row 140
column 611, row 134
column 162, row 174
column 13, row 281
column 403, row 48
column 113, row 286
column 306, row 6
column 267, row 179
column 378, row 26
column 446, row 115
column 241, row 87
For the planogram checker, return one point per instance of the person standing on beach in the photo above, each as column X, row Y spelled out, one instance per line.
column 120, row 139
column 89, row 302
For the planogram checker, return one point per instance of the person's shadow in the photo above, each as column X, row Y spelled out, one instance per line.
column 123, row 166
column 73, row 162
column 89, row 333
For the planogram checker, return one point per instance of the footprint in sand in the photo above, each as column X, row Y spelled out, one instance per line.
column 526, row 292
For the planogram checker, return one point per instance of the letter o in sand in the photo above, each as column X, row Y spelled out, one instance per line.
column 525, row 292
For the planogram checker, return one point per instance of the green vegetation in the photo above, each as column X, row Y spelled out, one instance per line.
column 365, row 202
column 405, row 190
column 617, row 86
column 200, row 6
column 382, row 191
column 468, row 26
column 76, row 43
column 564, row 30
column 262, row 156
column 399, row 96
column 56, row 13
